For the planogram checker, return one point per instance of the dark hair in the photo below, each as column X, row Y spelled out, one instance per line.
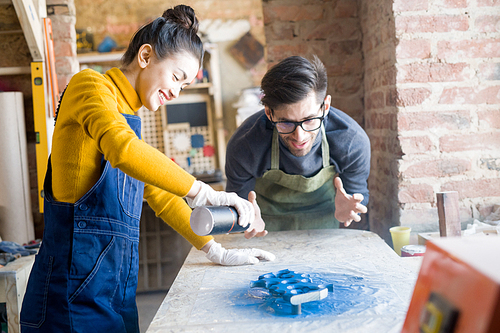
column 292, row 79
column 173, row 32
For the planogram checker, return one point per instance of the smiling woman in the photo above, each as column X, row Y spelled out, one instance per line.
column 163, row 57
column 84, row 278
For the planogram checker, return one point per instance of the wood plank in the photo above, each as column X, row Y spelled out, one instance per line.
column 449, row 214
column 30, row 23
column 14, row 70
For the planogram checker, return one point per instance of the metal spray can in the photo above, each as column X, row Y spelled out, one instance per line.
column 215, row 220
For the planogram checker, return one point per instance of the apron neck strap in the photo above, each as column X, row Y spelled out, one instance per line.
column 275, row 149
column 325, row 148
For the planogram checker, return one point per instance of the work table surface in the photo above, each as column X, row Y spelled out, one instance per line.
column 209, row 297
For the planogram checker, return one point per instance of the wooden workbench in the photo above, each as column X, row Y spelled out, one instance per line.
column 13, row 281
column 208, row 297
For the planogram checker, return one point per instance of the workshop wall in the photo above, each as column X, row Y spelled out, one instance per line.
column 329, row 29
column 448, row 101
column 221, row 21
column 422, row 78
column 379, row 42
column 63, row 16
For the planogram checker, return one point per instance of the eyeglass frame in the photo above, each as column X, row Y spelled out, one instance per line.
column 299, row 123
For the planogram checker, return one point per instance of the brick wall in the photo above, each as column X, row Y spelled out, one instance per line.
column 329, row 29
column 63, row 16
column 120, row 22
column 221, row 21
column 377, row 22
column 448, row 52
column 429, row 93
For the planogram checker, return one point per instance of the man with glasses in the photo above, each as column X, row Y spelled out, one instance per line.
column 307, row 161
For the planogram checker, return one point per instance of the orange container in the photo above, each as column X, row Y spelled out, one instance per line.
column 458, row 287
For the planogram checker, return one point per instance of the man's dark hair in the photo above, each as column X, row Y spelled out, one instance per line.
column 292, row 79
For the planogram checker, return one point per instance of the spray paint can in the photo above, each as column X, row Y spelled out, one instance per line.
column 215, row 220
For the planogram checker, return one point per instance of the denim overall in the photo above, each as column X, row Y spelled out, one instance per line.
column 295, row 202
column 84, row 278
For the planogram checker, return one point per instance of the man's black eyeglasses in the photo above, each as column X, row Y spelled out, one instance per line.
column 308, row 125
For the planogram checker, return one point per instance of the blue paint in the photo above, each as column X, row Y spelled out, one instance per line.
column 285, row 284
column 350, row 294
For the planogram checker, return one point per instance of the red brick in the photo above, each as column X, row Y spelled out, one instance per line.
column 345, row 8
column 477, row 48
column 280, row 31
column 339, row 51
column 63, row 80
column 477, row 141
column 432, row 72
column 352, row 105
column 345, row 85
column 469, row 95
column 451, row 3
column 63, row 27
column 348, row 66
column 488, row 3
column 416, row 193
column 279, row 52
column 437, row 168
column 66, row 66
column 489, row 71
column 410, row 5
column 415, row 48
column 490, row 118
column 338, row 29
column 410, row 121
column 487, row 23
column 476, row 188
column 381, row 59
column 381, row 121
column 376, row 77
column 385, row 144
column 292, row 13
column 375, row 101
column 434, row 23
column 416, row 145
column 411, row 96
column 64, row 49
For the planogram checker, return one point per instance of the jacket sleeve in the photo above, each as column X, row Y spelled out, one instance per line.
column 98, row 115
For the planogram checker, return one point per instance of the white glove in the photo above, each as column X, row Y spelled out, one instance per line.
column 207, row 196
column 233, row 257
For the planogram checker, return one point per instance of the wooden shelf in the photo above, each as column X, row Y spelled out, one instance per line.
column 94, row 57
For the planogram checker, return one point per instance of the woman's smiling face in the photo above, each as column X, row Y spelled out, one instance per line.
column 162, row 80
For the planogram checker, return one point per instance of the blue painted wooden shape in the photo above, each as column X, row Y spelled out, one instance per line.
column 287, row 284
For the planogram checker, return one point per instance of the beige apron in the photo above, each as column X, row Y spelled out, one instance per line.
column 295, row 202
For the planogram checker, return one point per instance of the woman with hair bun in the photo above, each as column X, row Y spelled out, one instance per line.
column 84, row 278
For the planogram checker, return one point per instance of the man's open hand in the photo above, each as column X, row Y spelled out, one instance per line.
column 257, row 228
column 347, row 207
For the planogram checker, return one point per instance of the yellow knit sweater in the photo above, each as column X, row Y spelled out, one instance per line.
column 89, row 125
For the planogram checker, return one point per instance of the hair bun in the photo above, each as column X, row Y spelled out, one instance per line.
column 182, row 15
